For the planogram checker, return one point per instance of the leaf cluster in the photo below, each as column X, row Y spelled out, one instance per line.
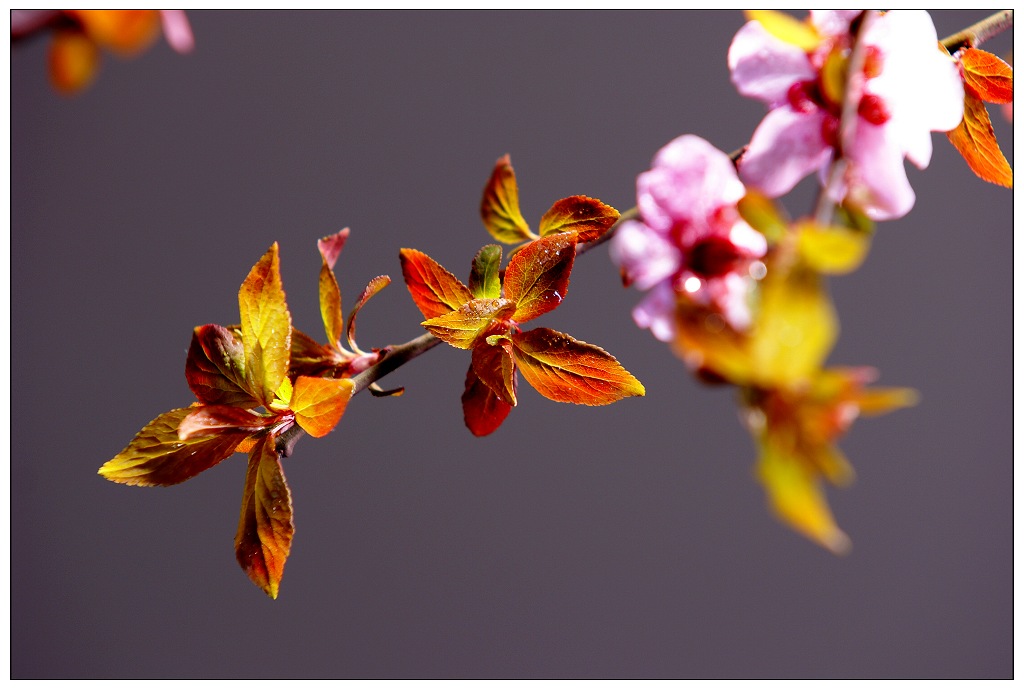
column 486, row 316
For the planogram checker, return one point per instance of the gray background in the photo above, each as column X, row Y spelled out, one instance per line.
column 628, row 540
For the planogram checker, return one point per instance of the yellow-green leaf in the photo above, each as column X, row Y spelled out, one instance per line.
column 796, row 496
column 786, row 28
column 157, row 456
column 319, row 403
column 485, row 276
column 564, row 369
column 832, row 250
column 794, row 329
column 499, row 208
column 460, row 328
column 764, row 215
column 266, row 327
column 265, row 527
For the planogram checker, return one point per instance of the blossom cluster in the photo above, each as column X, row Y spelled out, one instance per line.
column 738, row 290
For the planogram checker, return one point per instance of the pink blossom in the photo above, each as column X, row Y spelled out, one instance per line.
column 691, row 246
column 908, row 89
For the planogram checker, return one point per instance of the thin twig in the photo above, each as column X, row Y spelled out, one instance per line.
column 976, row 34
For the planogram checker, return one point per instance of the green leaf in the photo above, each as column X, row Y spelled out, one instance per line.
column 265, row 526
column 460, row 328
column 537, row 277
column 266, row 327
column 588, row 218
column 485, row 276
column 500, row 205
column 434, row 290
column 157, row 456
column 567, row 370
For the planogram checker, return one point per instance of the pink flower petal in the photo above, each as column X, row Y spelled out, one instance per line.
column 786, row 147
column 646, row 256
column 764, row 67
column 657, row 311
column 689, row 181
column 177, row 30
column 877, row 180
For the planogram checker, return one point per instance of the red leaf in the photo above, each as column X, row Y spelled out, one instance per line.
column 976, row 141
column 215, row 419
column 265, row 527
column 461, row 328
column 482, row 410
column 537, row 277
column 588, row 217
column 156, row 456
column 986, row 76
column 566, row 370
column 500, row 205
column 376, row 285
column 319, row 403
column 266, row 327
column 495, row 368
column 435, row 290
column 331, row 245
column 310, row 358
column 214, row 368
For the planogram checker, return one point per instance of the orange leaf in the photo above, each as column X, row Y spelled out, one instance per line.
column 73, row 59
column 123, row 31
column 588, row 217
column 566, row 370
column 265, row 527
column 375, row 285
column 435, row 290
column 266, row 327
column 976, row 141
column 460, row 328
column 986, row 76
column 495, row 368
column 500, row 205
column 482, row 410
column 537, row 277
column 215, row 367
column 215, row 419
column 156, row 456
column 318, row 403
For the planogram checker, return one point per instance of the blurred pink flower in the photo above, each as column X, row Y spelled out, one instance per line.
column 691, row 245
column 907, row 89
